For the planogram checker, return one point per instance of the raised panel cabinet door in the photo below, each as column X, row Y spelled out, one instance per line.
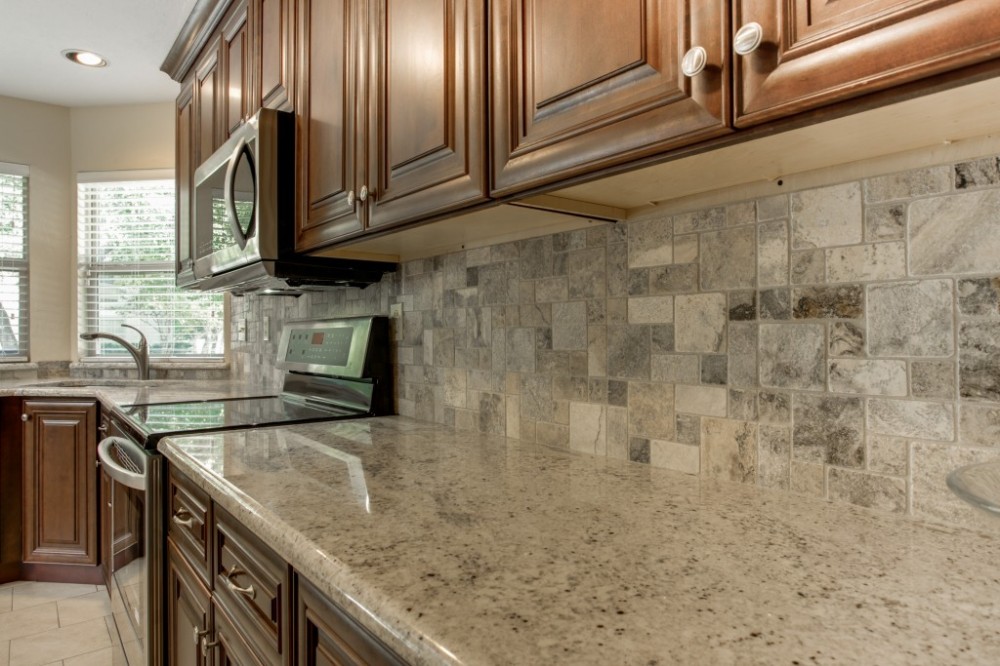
column 581, row 85
column 235, row 55
column 230, row 647
column 185, row 167
column 330, row 92
column 188, row 611
column 208, row 117
column 60, row 482
column 275, row 55
column 815, row 52
column 427, row 151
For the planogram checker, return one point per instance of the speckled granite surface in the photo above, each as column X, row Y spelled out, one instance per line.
column 124, row 392
column 463, row 548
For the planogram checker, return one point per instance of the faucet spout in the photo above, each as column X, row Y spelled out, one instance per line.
column 139, row 353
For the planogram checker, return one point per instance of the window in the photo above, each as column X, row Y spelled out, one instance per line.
column 126, row 272
column 13, row 262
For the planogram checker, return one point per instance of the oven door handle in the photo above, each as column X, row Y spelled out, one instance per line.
column 116, row 471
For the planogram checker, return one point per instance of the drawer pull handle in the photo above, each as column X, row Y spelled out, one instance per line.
column 183, row 518
column 247, row 591
column 198, row 635
column 206, row 646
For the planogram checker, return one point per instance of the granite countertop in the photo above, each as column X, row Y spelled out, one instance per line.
column 131, row 392
column 461, row 548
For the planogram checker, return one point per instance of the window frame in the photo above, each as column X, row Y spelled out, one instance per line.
column 23, row 267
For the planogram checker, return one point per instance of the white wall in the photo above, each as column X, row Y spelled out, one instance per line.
column 56, row 143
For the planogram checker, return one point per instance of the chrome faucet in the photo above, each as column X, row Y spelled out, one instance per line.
column 139, row 353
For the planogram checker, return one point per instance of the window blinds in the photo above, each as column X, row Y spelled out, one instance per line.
column 126, row 274
column 13, row 262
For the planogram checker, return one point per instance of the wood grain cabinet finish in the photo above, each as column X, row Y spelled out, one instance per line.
column 816, row 52
column 189, row 523
column 184, row 153
column 392, row 125
column 208, row 123
column 274, row 54
column 188, row 611
column 580, row 85
column 236, row 57
column 60, row 482
column 10, row 488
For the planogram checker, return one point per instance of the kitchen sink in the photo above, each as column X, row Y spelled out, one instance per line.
column 93, row 382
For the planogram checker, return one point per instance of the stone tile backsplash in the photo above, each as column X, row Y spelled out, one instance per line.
column 841, row 342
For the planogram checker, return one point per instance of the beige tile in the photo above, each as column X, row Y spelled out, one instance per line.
column 6, row 597
column 99, row 658
column 28, row 621
column 7, row 586
column 86, row 607
column 57, row 644
column 4, row 653
column 33, row 594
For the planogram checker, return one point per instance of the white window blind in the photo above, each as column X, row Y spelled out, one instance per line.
column 13, row 262
column 126, row 273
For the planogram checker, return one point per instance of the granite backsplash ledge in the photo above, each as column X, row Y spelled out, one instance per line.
column 841, row 341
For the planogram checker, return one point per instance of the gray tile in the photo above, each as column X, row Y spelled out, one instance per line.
column 742, row 357
column 846, row 339
column 886, row 222
column 910, row 319
column 492, row 414
column 829, row 429
column 552, row 290
column 772, row 254
column 617, row 393
column 979, row 297
column 932, row 499
column 742, row 213
column 728, row 259
column 843, row 302
column 876, row 261
column 911, row 418
column 868, row 490
column 638, row 282
column 933, row 379
column 791, row 356
column 888, row 455
column 688, row 429
column 520, row 350
column 979, row 360
column 808, row 267
column 977, row 173
column 675, row 368
column 638, row 450
column 536, row 257
column 713, row 369
column 686, row 249
column 536, row 398
column 772, row 208
column 979, row 425
column 662, row 338
column 774, row 454
column 499, row 283
column 617, row 278
column 742, row 306
column 587, row 273
column 650, row 241
column 868, row 377
column 743, row 404
column 826, row 216
column 569, row 240
column 700, row 220
column 628, row 352
column 651, row 310
column 729, row 450
column 775, row 304
column 955, row 234
column 569, row 325
column 651, row 410
column 700, row 322
column 908, row 184
column 774, row 407
column 673, row 279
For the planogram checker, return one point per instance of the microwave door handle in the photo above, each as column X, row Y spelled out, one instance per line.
column 116, row 471
column 229, row 192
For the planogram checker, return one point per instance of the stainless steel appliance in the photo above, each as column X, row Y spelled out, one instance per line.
column 244, row 217
column 334, row 369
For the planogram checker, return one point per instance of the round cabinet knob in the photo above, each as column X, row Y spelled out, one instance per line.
column 363, row 194
column 350, row 198
column 748, row 38
column 694, row 61
column 24, row 417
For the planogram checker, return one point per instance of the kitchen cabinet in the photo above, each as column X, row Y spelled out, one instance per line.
column 580, row 85
column 272, row 71
column 391, row 120
column 10, row 489
column 254, row 608
column 802, row 54
column 207, row 90
column 184, row 155
column 60, row 482
column 236, row 55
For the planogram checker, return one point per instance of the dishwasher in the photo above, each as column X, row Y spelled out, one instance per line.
column 334, row 369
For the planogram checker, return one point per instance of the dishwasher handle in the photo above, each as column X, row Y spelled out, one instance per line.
column 109, row 457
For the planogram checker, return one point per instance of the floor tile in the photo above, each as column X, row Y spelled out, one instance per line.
column 98, row 658
column 82, row 608
column 27, row 621
column 58, row 644
column 5, row 600
column 15, row 583
column 32, row 594
column 4, row 652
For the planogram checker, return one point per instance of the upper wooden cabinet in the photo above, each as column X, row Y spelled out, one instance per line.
column 184, row 152
column 579, row 85
column 236, row 56
column 273, row 59
column 814, row 52
column 391, row 120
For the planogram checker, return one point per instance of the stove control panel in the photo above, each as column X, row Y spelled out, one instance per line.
column 331, row 347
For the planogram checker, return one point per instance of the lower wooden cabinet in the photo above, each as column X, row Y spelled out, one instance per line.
column 256, row 611
column 60, row 482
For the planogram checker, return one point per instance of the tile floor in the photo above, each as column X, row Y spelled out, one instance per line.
column 54, row 623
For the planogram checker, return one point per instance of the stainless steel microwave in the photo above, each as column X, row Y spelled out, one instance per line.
column 244, row 217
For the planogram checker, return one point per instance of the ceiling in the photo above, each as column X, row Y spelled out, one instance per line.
column 133, row 35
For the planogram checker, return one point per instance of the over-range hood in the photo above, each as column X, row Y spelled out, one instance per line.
column 243, row 219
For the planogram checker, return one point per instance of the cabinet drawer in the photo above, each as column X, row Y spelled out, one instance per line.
column 251, row 583
column 188, row 518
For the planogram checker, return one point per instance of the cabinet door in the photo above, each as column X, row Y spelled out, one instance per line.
column 328, row 136
column 60, row 482
column 184, row 152
column 208, row 87
column 427, row 119
column 230, row 646
column 275, row 56
column 188, row 611
column 10, row 489
column 327, row 636
column 106, row 541
column 579, row 85
column 235, row 72
column 814, row 52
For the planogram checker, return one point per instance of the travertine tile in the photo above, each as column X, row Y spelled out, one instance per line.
column 979, row 297
column 869, row 490
column 886, row 222
column 512, row 421
column 700, row 220
column 686, row 249
column 868, row 377
column 83, row 608
column 492, row 413
column 842, row 302
column 846, row 339
column 955, row 234
column 551, row 434
column 57, row 644
column 536, row 398
column 791, row 356
column 774, row 407
column 638, row 281
column 617, row 392
column 888, row 455
column 651, row 410
column 617, row 258
column 728, row 259
column 729, row 450
column 700, row 322
column 979, row 360
column 675, row 368
column 829, row 429
column 911, row 418
column 662, row 339
column 569, row 240
column 704, row 400
column 742, row 305
column 99, row 658
column 455, row 383
column 551, row 290
column 826, row 216
column 911, row 319
column 742, row 213
column 588, row 428
column 650, row 242
column 775, row 304
column 933, row 379
column 29, row 620
column 5, row 600
column 31, row 594
column 520, row 350
column 772, row 208
column 628, row 352
column 979, row 425
column 617, row 437
column 597, row 351
column 977, row 173
column 651, row 310
column 638, row 450
column 772, row 254
column 877, row 261
column 743, row 404
column 587, row 273
column 673, row 279
column 535, row 255
column 932, row 499
column 774, row 457
column 908, row 184
column 674, row 455
column 688, row 429
column 713, row 369
column 808, row 479
column 742, row 357
column 808, row 267
column 569, row 325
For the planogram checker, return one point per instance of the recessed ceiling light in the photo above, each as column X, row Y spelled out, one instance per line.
column 87, row 58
